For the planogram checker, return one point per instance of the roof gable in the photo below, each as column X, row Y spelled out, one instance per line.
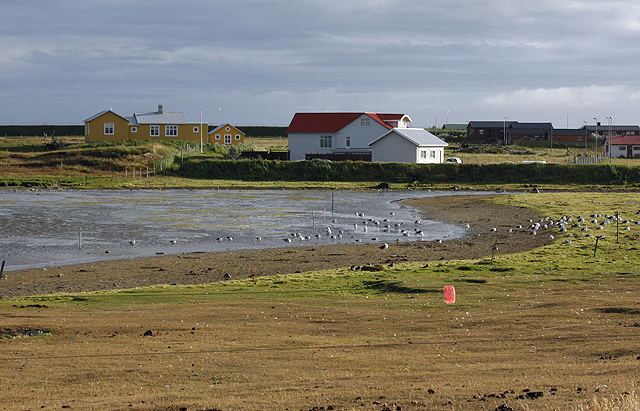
column 160, row 118
column 226, row 125
column 416, row 136
column 93, row 117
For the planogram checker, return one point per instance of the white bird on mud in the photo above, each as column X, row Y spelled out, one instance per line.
column 132, row 242
column 384, row 246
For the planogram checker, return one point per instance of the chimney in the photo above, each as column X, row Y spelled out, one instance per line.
column 160, row 109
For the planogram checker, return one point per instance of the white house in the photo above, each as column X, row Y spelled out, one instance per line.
column 339, row 133
column 408, row 145
column 622, row 146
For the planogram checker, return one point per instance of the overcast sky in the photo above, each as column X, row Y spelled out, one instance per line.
column 257, row 62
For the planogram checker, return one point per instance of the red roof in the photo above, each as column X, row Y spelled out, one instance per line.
column 624, row 140
column 334, row 122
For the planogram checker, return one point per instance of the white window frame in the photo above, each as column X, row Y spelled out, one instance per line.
column 326, row 141
column 622, row 148
column 171, row 130
column 196, row 129
column 423, row 154
column 227, row 138
column 134, row 129
column 347, row 142
column 154, row 130
column 109, row 129
column 365, row 122
column 238, row 137
column 217, row 136
column 432, row 154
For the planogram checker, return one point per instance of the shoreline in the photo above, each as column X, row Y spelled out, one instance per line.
column 210, row 267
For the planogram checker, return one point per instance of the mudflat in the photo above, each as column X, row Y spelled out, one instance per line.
column 202, row 268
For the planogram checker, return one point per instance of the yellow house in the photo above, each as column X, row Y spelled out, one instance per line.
column 226, row 134
column 155, row 125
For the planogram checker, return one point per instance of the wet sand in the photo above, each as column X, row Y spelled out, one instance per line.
column 201, row 268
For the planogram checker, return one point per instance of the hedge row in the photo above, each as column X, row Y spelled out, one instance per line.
column 536, row 173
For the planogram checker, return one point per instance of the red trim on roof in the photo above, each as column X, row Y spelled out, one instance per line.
column 624, row 140
column 334, row 122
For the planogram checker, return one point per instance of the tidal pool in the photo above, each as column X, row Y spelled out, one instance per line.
column 46, row 228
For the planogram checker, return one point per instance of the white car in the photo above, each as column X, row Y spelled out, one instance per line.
column 454, row 160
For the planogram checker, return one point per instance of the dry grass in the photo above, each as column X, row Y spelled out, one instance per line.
column 263, row 347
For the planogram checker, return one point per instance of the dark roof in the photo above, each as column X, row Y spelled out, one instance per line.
column 605, row 127
column 489, row 124
column 531, row 126
column 568, row 131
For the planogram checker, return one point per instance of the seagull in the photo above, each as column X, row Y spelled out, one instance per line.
column 467, row 226
column 258, row 239
column 132, row 242
column 384, row 246
column 492, row 230
column 286, row 240
column 173, row 241
column 219, row 239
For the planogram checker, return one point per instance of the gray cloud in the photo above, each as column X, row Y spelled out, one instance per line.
column 262, row 61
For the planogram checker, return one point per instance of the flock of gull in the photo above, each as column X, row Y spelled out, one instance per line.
column 335, row 231
column 573, row 226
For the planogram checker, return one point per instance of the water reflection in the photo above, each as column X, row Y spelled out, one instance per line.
column 61, row 227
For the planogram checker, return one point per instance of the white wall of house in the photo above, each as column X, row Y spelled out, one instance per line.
column 361, row 132
column 395, row 148
column 302, row 143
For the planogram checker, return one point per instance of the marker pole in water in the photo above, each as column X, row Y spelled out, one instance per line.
column 449, row 294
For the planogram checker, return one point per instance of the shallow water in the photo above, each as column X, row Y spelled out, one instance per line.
column 41, row 228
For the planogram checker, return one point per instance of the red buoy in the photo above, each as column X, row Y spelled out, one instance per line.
column 449, row 294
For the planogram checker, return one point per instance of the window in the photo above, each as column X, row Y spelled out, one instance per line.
column 227, row 128
column 325, row 142
column 227, row 138
column 171, row 131
column 622, row 148
column 217, row 136
column 636, row 148
column 154, row 131
column 237, row 136
column 347, row 142
column 86, row 129
column 108, row 129
column 481, row 131
column 134, row 129
column 365, row 122
column 196, row 129
column 423, row 154
column 432, row 154
column 579, row 138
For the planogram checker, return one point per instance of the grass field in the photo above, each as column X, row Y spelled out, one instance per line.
column 555, row 328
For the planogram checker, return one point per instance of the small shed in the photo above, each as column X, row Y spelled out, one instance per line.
column 408, row 145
